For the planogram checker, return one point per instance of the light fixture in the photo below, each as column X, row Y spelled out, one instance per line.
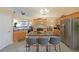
column 44, row 11
column 15, row 20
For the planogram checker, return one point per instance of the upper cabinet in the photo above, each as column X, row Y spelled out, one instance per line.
column 66, row 17
column 39, row 22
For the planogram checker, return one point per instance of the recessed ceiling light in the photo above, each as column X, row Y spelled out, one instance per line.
column 23, row 13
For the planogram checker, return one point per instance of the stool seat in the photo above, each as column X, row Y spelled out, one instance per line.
column 54, row 40
column 31, row 40
column 43, row 41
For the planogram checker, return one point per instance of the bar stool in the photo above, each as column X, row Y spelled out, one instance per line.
column 55, row 41
column 43, row 41
column 30, row 41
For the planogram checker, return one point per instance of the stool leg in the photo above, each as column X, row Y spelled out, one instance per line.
column 59, row 48
column 55, row 48
column 37, row 47
column 47, row 48
column 27, row 48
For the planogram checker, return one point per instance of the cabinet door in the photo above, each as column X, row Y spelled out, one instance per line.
column 5, row 30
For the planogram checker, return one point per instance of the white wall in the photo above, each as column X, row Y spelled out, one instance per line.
column 5, row 30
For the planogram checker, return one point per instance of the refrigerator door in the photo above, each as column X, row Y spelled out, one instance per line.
column 75, row 31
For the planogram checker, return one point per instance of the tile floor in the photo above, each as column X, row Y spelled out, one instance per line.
column 20, row 47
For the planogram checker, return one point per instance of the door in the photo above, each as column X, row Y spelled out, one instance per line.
column 75, row 33
column 5, row 30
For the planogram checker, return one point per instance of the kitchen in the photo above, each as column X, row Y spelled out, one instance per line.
column 50, row 22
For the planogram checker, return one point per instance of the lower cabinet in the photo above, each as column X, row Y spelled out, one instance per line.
column 19, row 36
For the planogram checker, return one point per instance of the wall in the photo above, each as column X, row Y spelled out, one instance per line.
column 5, row 30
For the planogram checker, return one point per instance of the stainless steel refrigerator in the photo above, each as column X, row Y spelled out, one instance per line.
column 70, row 32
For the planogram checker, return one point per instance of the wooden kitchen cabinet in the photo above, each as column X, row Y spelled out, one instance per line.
column 19, row 36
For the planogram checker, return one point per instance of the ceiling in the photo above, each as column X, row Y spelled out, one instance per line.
column 35, row 11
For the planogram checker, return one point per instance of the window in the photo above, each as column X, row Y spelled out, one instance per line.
column 22, row 24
